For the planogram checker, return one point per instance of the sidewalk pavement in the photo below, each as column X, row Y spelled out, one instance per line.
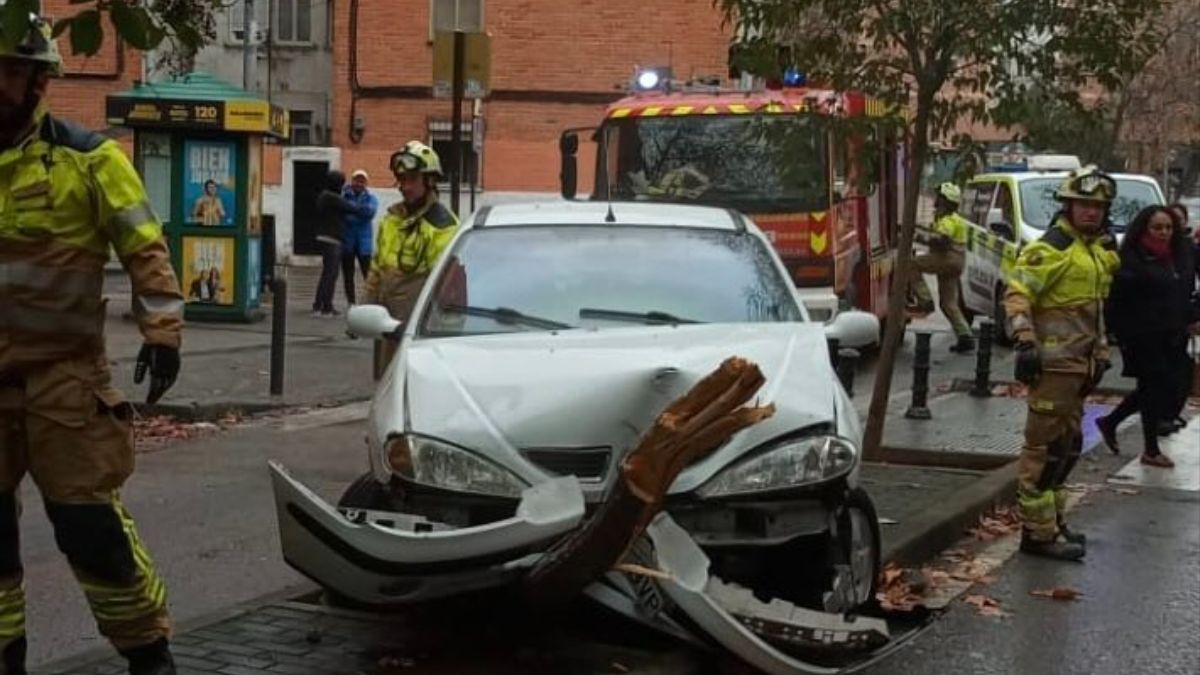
column 227, row 365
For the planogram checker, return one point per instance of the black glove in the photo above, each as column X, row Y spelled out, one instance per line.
column 163, row 364
column 1102, row 367
column 1029, row 363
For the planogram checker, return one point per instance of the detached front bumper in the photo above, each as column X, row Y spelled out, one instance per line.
column 384, row 558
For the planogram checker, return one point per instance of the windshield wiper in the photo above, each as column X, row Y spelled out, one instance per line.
column 652, row 317
column 507, row 315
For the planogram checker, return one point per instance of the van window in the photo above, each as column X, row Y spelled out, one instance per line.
column 977, row 201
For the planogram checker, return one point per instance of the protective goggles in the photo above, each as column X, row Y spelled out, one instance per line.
column 1095, row 185
column 403, row 162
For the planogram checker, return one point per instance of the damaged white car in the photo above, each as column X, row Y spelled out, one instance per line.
column 542, row 348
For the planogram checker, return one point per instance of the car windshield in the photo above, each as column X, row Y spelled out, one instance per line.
column 1038, row 204
column 509, row 279
column 755, row 163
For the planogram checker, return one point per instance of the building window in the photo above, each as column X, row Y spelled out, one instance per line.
column 439, row 132
column 293, row 21
column 302, row 127
column 450, row 15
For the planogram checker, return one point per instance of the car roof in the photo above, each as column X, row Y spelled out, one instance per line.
column 1018, row 176
column 645, row 214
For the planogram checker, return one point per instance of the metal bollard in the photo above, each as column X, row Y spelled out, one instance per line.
column 847, row 365
column 983, row 362
column 918, row 410
column 278, row 333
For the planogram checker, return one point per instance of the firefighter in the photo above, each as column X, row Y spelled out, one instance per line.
column 1054, row 303
column 412, row 236
column 946, row 259
column 66, row 197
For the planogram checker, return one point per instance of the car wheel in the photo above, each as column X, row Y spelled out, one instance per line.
column 1000, row 320
column 366, row 493
column 856, row 579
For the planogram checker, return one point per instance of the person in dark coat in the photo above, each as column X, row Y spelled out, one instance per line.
column 332, row 209
column 1150, row 312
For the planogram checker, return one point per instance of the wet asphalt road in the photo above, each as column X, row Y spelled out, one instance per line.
column 1140, row 610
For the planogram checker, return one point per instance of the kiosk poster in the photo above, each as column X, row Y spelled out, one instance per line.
column 209, row 183
column 208, row 272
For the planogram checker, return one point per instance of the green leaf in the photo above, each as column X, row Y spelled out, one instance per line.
column 14, row 21
column 134, row 25
column 86, row 33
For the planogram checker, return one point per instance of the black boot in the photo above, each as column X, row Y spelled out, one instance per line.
column 1072, row 536
column 152, row 659
column 12, row 659
column 1058, row 548
column 965, row 345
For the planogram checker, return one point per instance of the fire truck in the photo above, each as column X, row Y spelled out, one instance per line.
column 830, row 202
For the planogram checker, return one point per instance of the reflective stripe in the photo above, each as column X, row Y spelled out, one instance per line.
column 12, row 613
column 148, row 596
column 49, row 321
column 29, row 275
column 1039, row 513
column 131, row 218
column 158, row 304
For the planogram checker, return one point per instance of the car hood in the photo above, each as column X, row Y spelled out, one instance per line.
column 505, row 395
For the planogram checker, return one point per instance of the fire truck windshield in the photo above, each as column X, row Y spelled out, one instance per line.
column 754, row 163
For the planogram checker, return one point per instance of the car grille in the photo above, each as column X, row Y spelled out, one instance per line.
column 586, row 464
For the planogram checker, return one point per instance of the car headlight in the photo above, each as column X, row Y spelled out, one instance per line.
column 792, row 463
column 438, row 464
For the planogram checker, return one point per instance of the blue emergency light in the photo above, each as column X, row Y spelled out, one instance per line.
column 792, row 77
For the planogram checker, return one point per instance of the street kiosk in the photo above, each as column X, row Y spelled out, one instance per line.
column 198, row 144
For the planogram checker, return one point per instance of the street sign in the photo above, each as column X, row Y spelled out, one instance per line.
column 477, row 64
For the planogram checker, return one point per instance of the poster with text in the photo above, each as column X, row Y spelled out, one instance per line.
column 208, row 270
column 254, row 185
column 210, row 183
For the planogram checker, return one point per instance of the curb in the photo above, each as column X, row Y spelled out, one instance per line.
column 965, row 385
column 933, row 531
column 212, row 412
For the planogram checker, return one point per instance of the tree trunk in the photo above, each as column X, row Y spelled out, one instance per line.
column 893, row 334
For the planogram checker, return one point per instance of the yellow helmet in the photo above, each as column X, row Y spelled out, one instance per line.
column 416, row 156
column 950, row 192
column 1089, row 184
column 37, row 45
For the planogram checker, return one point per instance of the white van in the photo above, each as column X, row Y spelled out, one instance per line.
column 1012, row 209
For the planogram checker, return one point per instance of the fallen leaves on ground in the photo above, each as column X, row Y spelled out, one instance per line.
column 896, row 592
column 985, row 605
column 160, row 430
column 1128, row 491
column 1010, row 390
column 996, row 523
column 1060, row 593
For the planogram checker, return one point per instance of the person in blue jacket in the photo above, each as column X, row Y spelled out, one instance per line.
column 358, row 237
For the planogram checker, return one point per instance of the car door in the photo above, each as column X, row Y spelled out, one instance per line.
column 981, row 271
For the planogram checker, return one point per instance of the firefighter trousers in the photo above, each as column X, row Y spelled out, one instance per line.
column 71, row 431
column 947, row 267
column 1053, row 441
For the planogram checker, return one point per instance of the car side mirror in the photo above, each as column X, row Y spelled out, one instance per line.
column 373, row 322
column 853, row 329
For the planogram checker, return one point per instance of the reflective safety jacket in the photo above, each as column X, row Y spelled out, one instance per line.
column 955, row 228
column 406, row 249
column 66, row 196
column 1056, row 296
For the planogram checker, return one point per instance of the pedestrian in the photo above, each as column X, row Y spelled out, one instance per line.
column 358, row 237
column 946, row 259
column 332, row 209
column 412, row 236
column 1054, row 303
column 75, row 197
column 1150, row 312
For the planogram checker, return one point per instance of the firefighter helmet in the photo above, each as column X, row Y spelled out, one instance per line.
column 416, row 156
column 950, row 192
column 1089, row 184
column 36, row 45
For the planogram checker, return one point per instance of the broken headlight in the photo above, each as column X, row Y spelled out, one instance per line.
column 792, row 463
column 438, row 464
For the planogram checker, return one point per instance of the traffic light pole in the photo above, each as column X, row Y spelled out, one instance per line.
column 456, row 120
